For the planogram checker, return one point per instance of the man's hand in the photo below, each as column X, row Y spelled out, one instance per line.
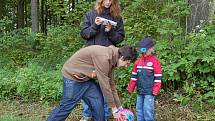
column 117, row 114
column 93, row 74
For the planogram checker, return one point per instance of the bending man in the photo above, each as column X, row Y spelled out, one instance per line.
column 79, row 74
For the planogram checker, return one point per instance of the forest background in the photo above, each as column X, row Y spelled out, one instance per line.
column 38, row 36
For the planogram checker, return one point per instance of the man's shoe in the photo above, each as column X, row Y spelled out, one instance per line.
column 84, row 118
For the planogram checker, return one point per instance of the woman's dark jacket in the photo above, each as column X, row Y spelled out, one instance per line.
column 96, row 35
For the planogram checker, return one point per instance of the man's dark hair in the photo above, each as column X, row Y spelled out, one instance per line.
column 128, row 53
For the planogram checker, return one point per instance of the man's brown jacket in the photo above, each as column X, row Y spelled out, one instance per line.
column 96, row 58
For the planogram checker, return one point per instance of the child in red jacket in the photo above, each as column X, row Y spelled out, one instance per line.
column 146, row 77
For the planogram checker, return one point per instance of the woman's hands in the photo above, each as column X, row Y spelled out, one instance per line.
column 99, row 21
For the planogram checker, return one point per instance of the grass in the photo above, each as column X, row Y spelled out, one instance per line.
column 23, row 111
column 20, row 111
column 166, row 110
column 12, row 118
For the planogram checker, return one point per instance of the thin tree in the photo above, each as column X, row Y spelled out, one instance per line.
column 42, row 16
column 62, row 18
column 20, row 14
column 35, row 22
column 25, row 13
column 34, row 15
column 73, row 4
column 212, row 10
column 46, row 18
column 1, row 8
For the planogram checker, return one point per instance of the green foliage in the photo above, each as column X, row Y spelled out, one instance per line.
column 16, row 48
column 183, row 100
column 8, row 88
column 125, row 3
column 34, row 74
column 76, row 16
column 72, row 16
column 140, row 20
column 35, row 82
column 206, row 116
column 190, row 62
column 32, row 83
column 8, row 16
column 153, row 18
column 123, row 77
column 187, row 60
column 172, row 18
column 5, row 25
column 31, row 63
column 60, row 43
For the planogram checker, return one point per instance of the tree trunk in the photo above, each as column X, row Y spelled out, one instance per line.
column 46, row 17
column 199, row 14
column 26, row 12
column 62, row 13
column 34, row 15
column 50, row 17
column 212, row 10
column 35, row 22
column 42, row 17
column 73, row 4
column 1, row 8
column 20, row 14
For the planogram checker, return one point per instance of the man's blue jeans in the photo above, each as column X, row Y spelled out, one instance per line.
column 145, row 108
column 73, row 92
column 87, row 112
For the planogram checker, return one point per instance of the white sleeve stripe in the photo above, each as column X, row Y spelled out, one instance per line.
column 134, row 73
column 157, row 81
column 133, row 79
column 158, row 74
column 146, row 67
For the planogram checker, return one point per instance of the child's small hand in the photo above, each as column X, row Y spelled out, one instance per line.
column 128, row 91
column 155, row 93
column 131, row 86
column 156, row 89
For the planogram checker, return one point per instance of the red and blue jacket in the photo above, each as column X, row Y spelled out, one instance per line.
column 146, row 75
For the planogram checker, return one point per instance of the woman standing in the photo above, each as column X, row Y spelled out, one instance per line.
column 96, row 32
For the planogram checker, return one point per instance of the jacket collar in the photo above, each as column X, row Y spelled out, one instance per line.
column 142, row 56
column 106, row 11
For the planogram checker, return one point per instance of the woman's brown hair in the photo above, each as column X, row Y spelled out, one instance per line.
column 115, row 10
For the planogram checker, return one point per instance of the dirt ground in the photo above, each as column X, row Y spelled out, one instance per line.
column 166, row 110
